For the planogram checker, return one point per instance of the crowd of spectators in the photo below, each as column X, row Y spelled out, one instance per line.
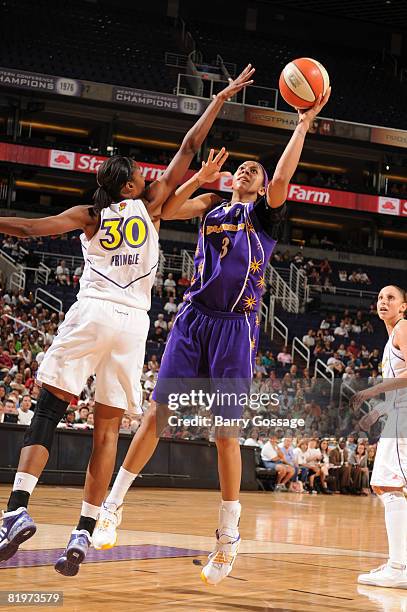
column 27, row 329
column 328, row 180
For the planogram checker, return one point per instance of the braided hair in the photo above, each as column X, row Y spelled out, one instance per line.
column 112, row 176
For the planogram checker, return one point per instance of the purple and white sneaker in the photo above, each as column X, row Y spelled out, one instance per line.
column 18, row 526
column 74, row 554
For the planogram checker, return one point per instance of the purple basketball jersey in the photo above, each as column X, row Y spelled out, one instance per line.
column 230, row 259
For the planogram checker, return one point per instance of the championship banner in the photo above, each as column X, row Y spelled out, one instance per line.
column 32, row 81
column 304, row 194
column 102, row 92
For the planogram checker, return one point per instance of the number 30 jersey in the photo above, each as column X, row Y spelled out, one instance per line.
column 122, row 257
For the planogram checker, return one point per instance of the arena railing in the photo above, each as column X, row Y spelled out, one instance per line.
column 298, row 283
column 24, row 324
column 187, row 266
column 276, row 324
column 299, row 348
column 47, row 299
column 326, row 373
column 314, row 290
column 72, row 261
column 264, row 314
column 281, row 291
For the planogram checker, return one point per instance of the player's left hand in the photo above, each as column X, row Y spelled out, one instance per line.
column 243, row 80
column 211, row 169
column 307, row 117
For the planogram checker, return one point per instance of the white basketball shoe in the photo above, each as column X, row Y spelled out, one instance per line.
column 386, row 575
column 105, row 533
column 221, row 560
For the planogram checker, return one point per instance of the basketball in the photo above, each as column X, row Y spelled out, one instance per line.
column 302, row 81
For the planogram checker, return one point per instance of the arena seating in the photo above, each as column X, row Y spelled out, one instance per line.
column 88, row 41
column 113, row 45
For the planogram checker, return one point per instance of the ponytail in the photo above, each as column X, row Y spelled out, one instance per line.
column 112, row 176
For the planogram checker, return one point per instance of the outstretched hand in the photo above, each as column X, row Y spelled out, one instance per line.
column 242, row 81
column 307, row 117
column 211, row 169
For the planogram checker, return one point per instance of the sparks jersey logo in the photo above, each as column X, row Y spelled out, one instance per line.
column 122, row 206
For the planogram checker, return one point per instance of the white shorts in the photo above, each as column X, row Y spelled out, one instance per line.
column 390, row 464
column 103, row 338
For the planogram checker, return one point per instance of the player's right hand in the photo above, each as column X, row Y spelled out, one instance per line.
column 368, row 420
column 211, row 169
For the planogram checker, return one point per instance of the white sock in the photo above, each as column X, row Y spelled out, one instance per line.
column 24, row 482
column 90, row 510
column 229, row 515
column 395, row 512
column 121, row 485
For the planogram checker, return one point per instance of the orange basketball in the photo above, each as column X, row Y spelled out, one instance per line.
column 302, row 81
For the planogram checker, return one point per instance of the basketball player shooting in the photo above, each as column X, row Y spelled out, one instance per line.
column 389, row 475
column 105, row 330
column 216, row 331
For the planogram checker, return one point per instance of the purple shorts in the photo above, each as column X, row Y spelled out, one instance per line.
column 211, row 350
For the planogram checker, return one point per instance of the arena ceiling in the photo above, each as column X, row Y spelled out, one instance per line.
column 391, row 13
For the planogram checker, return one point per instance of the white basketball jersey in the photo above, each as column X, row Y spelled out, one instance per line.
column 122, row 257
column 393, row 365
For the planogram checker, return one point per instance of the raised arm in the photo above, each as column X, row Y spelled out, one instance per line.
column 159, row 191
column 287, row 165
column 78, row 217
column 180, row 206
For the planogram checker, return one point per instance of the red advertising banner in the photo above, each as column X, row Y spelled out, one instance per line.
column 85, row 162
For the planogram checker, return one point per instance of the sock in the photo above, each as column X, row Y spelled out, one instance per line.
column 88, row 518
column 22, row 488
column 121, row 485
column 395, row 512
column 87, row 523
column 229, row 516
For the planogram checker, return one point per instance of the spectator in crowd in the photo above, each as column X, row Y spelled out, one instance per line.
column 125, row 426
column 161, row 322
column 169, row 285
column 309, row 339
column 158, row 285
column 25, row 414
column 183, row 283
column 10, row 412
column 253, row 439
column 340, row 468
column 62, row 273
column 273, row 459
column 170, row 307
column 340, row 330
column 77, row 275
column 343, row 276
column 284, row 357
column 83, row 415
column 360, row 470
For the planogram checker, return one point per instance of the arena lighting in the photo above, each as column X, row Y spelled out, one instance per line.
column 312, row 166
column 49, row 186
column 396, row 177
column 393, row 234
column 36, row 125
column 173, row 145
column 146, row 141
column 301, row 221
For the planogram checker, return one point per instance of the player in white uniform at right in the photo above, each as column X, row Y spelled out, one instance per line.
column 390, row 466
column 105, row 330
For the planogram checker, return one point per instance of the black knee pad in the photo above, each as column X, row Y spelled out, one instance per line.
column 48, row 413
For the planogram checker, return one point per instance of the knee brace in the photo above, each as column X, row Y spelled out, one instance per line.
column 48, row 413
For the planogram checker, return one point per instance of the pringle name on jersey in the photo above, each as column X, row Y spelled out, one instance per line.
column 125, row 260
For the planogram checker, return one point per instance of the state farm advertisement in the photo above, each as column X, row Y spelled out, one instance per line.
column 86, row 162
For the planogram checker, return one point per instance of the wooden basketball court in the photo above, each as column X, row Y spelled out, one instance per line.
column 298, row 552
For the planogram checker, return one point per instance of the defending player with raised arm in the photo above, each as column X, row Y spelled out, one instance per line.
column 215, row 334
column 389, row 475
column 104, row 331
